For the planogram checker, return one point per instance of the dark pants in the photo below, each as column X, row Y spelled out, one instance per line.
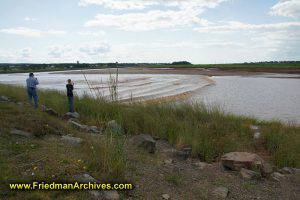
column 32, row 93
column 71, row 104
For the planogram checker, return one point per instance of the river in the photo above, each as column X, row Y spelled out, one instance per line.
column 266, row 97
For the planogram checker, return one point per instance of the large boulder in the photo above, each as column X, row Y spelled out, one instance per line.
column 144, row 141
column 238, row 160
column 21, row 133
column 115, row 128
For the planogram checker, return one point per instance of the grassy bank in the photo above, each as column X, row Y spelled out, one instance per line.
column 208, row 131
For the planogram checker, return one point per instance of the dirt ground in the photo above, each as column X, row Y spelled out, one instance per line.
column 153, row 175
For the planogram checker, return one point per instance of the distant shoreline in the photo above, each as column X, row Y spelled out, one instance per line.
column 185, row 71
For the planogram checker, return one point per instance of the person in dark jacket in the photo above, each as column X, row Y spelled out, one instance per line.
column 31, row 83
column 70, row 87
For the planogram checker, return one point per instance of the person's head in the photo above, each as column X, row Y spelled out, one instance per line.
column 31, row 74
column 69, row 81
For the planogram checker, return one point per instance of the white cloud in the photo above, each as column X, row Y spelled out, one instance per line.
column 287, row 8
column 92, row 33
column 233, row 26
column 148, row 21
column 183, row 13
column 95, row 49
column 30, row 32
column 29, row 19
column 141, row 4
column 58, row 51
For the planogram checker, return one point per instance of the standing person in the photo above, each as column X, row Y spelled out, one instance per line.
column 70, row 87
column 31, row 83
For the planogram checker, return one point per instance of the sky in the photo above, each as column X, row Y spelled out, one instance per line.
column 198, row 31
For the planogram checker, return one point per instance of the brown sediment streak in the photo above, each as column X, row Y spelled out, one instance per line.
column 210, row 81
column 171, row 98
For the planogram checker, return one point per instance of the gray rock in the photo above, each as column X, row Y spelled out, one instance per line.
column 276, row 176
column 72, row 115
column 220, row 192
column 144, row 141
column 289, row 170
column 115, row 128
column 110, row 194
column 248, row 174
column 182, row 154
column 50, row 111
column 4, row 98
column 72, row 140
column 166, row 196
column 92, row 129
column 21, row 133
column 106, row 194
column 77, row 125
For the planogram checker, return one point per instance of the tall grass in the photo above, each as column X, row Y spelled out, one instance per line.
column 208, row 130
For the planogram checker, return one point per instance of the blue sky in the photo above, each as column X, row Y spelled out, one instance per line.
column 199, row 31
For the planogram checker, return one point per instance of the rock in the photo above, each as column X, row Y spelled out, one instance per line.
column 115, row 128
column 50, row 111
column 77, row 125
column 266, row 169
column 289, row 170
column 72, row 115
column 106, row 194
column 201, row 165
column 238, row 160
column 257, row 135
column 253, row 127
column 220, row 192
column 4, row 99
column 21, row 133
column 182, row 154
column 248, row 174
column 72, row 140
column 276, row 176
column 166, row 196
column 73, row 120
column 92, row 129
column 168, row 161
column 144, row 141
column 110, row 194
